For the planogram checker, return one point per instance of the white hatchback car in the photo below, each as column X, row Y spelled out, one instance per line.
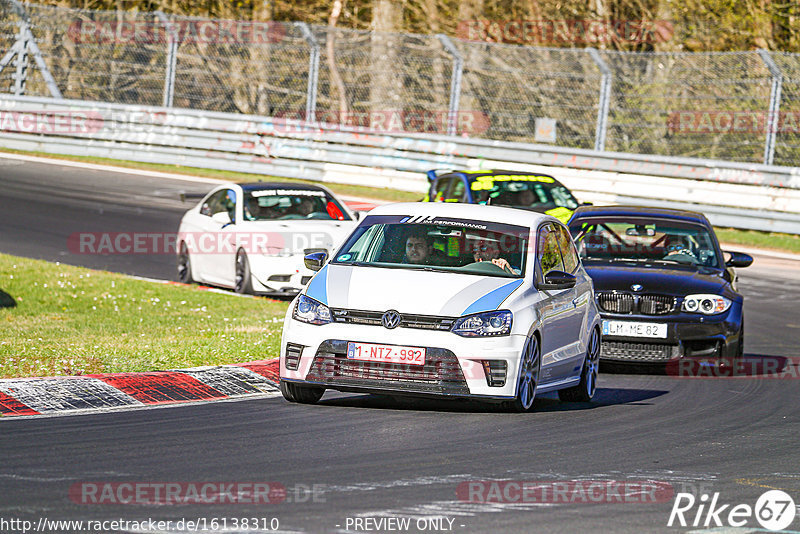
column 446, row 299
column 253, row 237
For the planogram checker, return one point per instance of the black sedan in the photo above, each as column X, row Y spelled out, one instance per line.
column 665, row 290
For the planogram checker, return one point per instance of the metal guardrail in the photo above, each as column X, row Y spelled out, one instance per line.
column 751, row 196
column 732, row 106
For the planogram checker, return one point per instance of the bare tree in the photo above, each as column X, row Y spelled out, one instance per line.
column 336, row 11
column 384, row 87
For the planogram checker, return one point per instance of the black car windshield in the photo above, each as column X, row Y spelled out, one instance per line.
column 437, row 244
column 284, row 204
column 644, row 239
column 520, row 191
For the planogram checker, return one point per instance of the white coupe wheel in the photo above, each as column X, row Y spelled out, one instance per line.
column 184, row 265
column 243, row 284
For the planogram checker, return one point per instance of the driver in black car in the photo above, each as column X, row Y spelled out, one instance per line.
column 676, row 245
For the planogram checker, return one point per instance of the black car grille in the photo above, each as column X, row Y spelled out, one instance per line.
column 656, row 304
column 624, row 303
column 615, row 302
column 640, row 352
column 426, row 322
column 440, row 374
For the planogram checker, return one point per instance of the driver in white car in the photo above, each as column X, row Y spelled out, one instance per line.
column 487, row 250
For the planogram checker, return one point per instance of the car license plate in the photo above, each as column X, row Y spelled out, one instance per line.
column 631, row 329
column 386, row 353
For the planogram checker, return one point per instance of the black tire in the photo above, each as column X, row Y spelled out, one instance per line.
column 286, row 392
column 243, row 283
column 184, row 265
column 528, row 380
column 730, row 364
column 300, row 393
column 584, row 391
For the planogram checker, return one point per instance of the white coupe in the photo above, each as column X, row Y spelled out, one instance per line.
column 252, row 237
column 450, row 300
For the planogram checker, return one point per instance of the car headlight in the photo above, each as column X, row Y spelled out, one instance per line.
column 310, row 311
column 705, row 304
column 496, row 323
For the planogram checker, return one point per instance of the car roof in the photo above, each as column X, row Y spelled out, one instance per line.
column 472, row 175
column 257, row 186
column 470, row 212
column 639, row 211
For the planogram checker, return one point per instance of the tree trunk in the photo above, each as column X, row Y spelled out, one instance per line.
column 385, row 87
column 336, row 78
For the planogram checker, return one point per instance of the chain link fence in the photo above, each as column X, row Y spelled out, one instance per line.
column 736, row 106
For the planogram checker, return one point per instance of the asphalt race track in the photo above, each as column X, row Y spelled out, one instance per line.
column 358, row 457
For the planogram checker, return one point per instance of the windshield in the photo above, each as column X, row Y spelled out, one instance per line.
column 437, row 244
column 284, row 204
column 644, row 239
column 533, row 192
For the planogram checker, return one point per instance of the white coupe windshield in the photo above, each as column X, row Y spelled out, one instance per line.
column 439, row 244
column 284, row 204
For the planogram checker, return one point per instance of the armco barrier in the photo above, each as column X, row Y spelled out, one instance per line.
column 739, row 195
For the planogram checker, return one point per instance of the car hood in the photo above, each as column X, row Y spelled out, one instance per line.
column 666, row 281
column 294, row 237
column 409, row 291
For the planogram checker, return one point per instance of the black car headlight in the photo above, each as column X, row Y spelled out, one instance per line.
column 705, row 304
column 496, row 323
column 311, row 311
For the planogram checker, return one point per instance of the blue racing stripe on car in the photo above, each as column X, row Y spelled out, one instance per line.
column 492, row 300
column 318, row 286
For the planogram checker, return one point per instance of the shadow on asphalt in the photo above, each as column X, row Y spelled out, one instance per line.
column 547, row 403
column 6, row 300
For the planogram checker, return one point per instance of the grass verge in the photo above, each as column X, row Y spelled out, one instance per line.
column 756, row 239
column 72, row 321
column 380, row 193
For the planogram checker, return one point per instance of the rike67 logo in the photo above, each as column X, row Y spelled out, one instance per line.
column 774, row 510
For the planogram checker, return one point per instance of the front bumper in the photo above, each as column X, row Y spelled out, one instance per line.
column 453, row 366
column 279, row 275
column 689, row 336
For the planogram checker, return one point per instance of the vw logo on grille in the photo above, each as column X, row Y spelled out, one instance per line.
column 390, row 319
column 637, row 287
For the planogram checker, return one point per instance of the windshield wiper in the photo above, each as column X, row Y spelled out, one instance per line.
column 638, row 260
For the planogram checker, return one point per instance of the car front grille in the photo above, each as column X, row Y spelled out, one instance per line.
column 639, row 352
column 370, row 318
column 440, row 374
column 615, row 302
column 624, row 303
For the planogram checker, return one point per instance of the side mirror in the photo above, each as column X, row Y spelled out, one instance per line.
column 357, row 215
column 316, row 260
column 738, row 259
column 557, row 280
